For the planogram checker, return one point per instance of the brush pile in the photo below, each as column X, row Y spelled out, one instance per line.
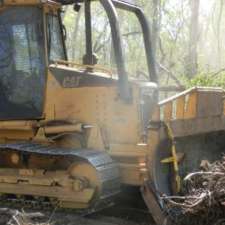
column 16, row 217
column 203, row 199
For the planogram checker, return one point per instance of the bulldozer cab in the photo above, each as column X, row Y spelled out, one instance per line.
column 22, row 62
column 32, row 38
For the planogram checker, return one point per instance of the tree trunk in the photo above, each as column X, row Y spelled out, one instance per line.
column 192, row 59
column 75, row 34
column 156, row 20
column 219, row 41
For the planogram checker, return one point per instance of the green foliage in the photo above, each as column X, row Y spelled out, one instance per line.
column 207, row 80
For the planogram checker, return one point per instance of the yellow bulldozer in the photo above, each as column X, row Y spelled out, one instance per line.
column 71, row 134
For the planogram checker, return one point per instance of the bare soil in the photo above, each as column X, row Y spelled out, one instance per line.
column 128, row 209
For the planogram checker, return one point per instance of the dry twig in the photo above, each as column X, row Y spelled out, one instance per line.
column 203, row 201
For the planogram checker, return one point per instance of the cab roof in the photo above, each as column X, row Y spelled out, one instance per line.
column 53, row 2
column 28, row 2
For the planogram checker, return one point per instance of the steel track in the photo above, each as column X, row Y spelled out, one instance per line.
column 101, row 161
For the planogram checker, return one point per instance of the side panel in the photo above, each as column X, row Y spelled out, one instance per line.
column 118, row 124
column 95, row 106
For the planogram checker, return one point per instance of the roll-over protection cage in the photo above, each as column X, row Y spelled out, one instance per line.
column 110, row 7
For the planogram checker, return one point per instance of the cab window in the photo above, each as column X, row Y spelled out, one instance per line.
column 55, row 39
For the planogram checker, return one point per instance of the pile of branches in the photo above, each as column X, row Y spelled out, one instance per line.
column 16, row 217
column 203, row 199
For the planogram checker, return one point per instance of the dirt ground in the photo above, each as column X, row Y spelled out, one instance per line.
column 98, row 220
column 109, row 217
column 127, row 209
column 120, row 214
